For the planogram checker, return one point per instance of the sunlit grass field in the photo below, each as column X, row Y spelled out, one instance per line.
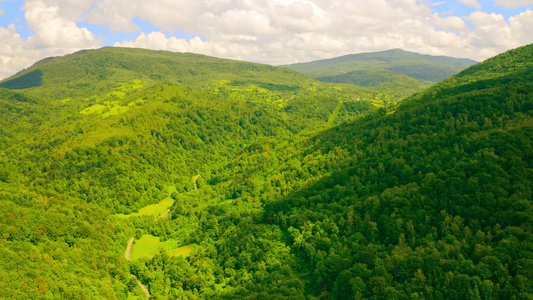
column 148, row 246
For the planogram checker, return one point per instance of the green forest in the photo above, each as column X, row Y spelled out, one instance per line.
column 205, row 178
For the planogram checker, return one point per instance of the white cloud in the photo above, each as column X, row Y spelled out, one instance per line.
column 275, row 31
column 453, row 23
column 165, row 14
column 471, row 3
column 14, row 56
column 492, row 30
column 54, row 31
column 513, row 3
column 54, row 35
column 285, row 31
column 521, row 25
column 1, row 11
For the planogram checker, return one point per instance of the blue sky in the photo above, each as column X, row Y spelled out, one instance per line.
column 267, row 31
column 13, row 14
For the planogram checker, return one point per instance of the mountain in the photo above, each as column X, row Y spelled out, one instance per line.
column 195, row 110
column 418, row 70
column 88, row 72
column 232, row 190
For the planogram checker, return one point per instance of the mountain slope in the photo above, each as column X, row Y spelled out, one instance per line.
column 426, row 69
column 432, row 200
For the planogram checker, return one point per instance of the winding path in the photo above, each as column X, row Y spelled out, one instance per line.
column 129, row 248
column 196, row 178
column 143, row 287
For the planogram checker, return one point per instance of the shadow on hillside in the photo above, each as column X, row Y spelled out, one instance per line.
column 28, row 80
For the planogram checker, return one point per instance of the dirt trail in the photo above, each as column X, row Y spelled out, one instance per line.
column 161, row 217
column 143, row 287
column 196, row 178
column 129, row 248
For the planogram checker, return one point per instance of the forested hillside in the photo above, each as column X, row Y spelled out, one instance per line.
column 432, row 200
column 397, row 72
column 95, row 132
column 278, row 189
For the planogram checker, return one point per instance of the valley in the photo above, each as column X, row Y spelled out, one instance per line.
column 132, row 173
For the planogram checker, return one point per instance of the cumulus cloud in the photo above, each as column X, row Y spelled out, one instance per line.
column 453, row 23
column 277, row 31
column 285, row 31
column 55, row 33
column 513, row 3
column 14, row 55
column 521, row 25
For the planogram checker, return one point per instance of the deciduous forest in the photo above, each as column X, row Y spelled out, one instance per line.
column 240, row 180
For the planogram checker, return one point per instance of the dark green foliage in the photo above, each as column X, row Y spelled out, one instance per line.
column 25, row 81
column 431, row 201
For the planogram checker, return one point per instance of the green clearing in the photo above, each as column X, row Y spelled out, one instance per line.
column 110, row 103
column 155, row 210
column 148, row 246
column 151, row 210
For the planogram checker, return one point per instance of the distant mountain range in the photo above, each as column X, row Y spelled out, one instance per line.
column 393, row 71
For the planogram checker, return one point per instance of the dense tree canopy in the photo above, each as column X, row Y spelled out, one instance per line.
column 302, row 189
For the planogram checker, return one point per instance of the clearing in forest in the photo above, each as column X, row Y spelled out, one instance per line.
column 148, row 246
column 155, row 210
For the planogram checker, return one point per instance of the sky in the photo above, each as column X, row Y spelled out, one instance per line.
column 265, row 31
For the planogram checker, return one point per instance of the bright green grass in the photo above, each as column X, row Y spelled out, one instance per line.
column 94, row 109
column 109, row 104
column 155, row 210
column 148, row 246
